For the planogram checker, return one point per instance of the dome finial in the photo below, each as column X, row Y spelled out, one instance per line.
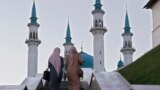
column 68, row 19
column 126, row 6
column 82, row 46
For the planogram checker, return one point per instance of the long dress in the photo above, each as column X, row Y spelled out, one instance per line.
column 72, row 72
column 55, row 79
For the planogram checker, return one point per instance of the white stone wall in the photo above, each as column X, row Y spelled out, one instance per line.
column 33, row 28
column 32, row 82
column 98, row 52
column 12, row 87
column 156, row 37
column 127, row 38
column 156, row 24
column 32, row 60
column 128, row 58
column 145, row 87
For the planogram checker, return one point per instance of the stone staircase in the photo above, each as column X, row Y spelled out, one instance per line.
column 64, row 86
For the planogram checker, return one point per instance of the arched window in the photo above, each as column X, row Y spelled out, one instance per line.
column 34, row 35
column 99, row 23
column 129, row 45
column 96, row 23
column 125, row 44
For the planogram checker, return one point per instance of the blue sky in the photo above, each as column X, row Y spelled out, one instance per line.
column 53, row 17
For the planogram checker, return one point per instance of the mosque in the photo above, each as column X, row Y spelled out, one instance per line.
column 95, row 75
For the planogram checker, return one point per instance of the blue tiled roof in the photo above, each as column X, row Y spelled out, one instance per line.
column 120, row 64
column 87, row 60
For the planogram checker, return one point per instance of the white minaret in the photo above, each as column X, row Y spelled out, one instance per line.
column 127, row 49
column 98, row 31
column 33, row 43
column 67, row 45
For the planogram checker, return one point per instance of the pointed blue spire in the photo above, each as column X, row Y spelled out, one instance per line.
column 68, row 35
column 98, row 5
column 98, row 1
column 33, row 15
column 127, row 25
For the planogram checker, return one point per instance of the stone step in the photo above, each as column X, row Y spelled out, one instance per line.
column 63, row 86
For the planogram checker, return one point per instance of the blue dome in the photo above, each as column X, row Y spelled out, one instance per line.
column 120, row 64
column 87, row 60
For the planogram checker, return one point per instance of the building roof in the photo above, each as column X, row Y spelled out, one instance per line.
column 87, row 60
column 145, row 70
column 150, row 4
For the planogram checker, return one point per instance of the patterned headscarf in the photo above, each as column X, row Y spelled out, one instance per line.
column 55, row 59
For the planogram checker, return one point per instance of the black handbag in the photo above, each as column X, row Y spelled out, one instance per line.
column 46, row 74
column 80, row 72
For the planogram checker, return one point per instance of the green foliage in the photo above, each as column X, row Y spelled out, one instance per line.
column 145, row 70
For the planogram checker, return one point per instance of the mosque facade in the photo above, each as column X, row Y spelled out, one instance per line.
column 96, row 62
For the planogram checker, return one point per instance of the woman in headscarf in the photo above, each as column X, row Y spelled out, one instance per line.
column 55, row 64
column 74, row 69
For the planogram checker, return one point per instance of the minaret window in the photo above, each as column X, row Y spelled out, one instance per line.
column 99, row 23
column 34, row 35
column 96, row 23
column 125, row 44
column 130, row 44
